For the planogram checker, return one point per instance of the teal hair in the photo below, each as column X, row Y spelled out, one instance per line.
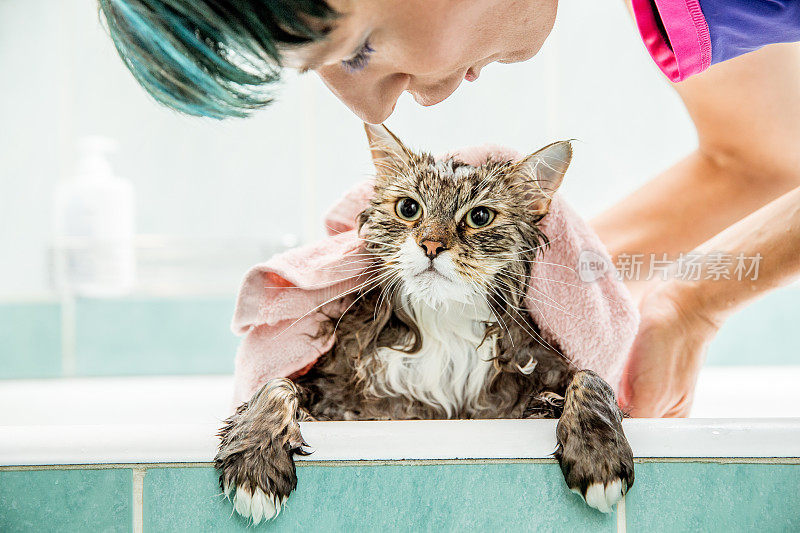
column 211, row 58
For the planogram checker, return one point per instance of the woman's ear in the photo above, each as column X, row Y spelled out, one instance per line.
column 388, row 154
column 542, row 173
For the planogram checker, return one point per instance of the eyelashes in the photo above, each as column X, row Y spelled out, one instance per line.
column 360, row 59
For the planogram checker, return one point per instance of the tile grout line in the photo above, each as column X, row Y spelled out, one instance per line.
column 622, row 519
column 410, row 462
column 137, row 495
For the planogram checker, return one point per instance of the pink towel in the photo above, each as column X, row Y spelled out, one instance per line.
column 593, row 322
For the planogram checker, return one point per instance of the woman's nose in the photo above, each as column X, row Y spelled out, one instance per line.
column 371, row 99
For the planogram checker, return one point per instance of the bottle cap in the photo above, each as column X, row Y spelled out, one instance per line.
column 94, row 161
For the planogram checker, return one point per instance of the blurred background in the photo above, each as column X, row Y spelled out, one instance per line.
column 146, row 285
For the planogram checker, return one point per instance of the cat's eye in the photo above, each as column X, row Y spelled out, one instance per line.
column 408, row 209
column 479, row 217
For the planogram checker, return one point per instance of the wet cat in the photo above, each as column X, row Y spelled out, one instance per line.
column 438, row 330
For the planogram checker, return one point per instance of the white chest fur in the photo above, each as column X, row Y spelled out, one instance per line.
column 451, row 369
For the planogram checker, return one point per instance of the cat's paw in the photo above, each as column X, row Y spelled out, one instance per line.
column 593, row 451
column 599, row 469
column 256, row 455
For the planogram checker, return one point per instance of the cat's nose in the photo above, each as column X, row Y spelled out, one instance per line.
column 432, row 248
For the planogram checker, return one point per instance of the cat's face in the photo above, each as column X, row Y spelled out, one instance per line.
column 451, row 232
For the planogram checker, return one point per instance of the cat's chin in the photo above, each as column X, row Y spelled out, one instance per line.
column 434, row 289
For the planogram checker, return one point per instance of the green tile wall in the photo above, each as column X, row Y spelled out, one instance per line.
column 30, row 340
column 466, row 497
column 66, row 500
column 677, row 497
column 765, row 333
column 137, row 336
column 130, row 337
column 667, row 497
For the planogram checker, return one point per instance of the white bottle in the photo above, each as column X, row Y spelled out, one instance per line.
column 94, row 227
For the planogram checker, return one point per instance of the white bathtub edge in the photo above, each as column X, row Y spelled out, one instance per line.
column 393, row 441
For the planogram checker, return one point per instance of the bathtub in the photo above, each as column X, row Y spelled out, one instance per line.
column 134, row 454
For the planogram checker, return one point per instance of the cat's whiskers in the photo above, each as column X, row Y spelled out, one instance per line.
column 367, row 258
column 529, row 298
column 386, row 244
column 522, row 312
column 504, row 304
column 347, row 292
column 383, row 278
column 534, row 301
column 521, row 251
column 512, row 283
column 561, row 282
column 557, row 306
column 354, row 269
column 528, row 329
column 550, row 240
column 376, row 281
column 585, row 289
column 359, row 256
column 384, row 289
column 387, row 292
column 360, row 253
column 546, row 322
column 477, row 289
column 371, row 258
column 326, row 284
column 537, row 262
column 500, row 320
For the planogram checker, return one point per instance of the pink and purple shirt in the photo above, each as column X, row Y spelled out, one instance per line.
column 685, row 37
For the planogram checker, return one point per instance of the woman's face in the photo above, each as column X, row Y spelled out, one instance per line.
column 380, row 48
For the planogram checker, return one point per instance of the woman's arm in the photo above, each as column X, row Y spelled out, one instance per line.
column 747, row 114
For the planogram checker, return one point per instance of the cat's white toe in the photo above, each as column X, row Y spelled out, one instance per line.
column 603, row 497
column 258, row 505
column 614, row 492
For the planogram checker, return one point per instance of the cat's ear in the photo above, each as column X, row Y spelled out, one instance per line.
column 542, row 173
column 387, row 150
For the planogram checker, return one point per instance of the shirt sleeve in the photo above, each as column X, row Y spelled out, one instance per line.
column 685, row 37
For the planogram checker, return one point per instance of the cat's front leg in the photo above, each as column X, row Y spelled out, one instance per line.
column 593, row 451
column 256, row 455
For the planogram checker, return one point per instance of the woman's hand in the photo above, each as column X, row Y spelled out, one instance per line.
column 667, row 353
column 679, row 318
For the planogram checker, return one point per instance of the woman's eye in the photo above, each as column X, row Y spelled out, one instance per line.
column 479, row 217
column 359, row 60
column 408, row 209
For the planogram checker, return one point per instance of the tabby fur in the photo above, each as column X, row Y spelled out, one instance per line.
column 438, row 329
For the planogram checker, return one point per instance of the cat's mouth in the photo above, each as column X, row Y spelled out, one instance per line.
column 431, row 273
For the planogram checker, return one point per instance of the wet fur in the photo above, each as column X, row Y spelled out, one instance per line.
column 527, row 378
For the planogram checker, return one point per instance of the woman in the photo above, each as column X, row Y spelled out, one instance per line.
column 736, row 196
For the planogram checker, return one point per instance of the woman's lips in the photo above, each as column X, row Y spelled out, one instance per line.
column 472, row 74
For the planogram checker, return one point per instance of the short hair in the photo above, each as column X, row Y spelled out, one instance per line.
column 211, row 58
